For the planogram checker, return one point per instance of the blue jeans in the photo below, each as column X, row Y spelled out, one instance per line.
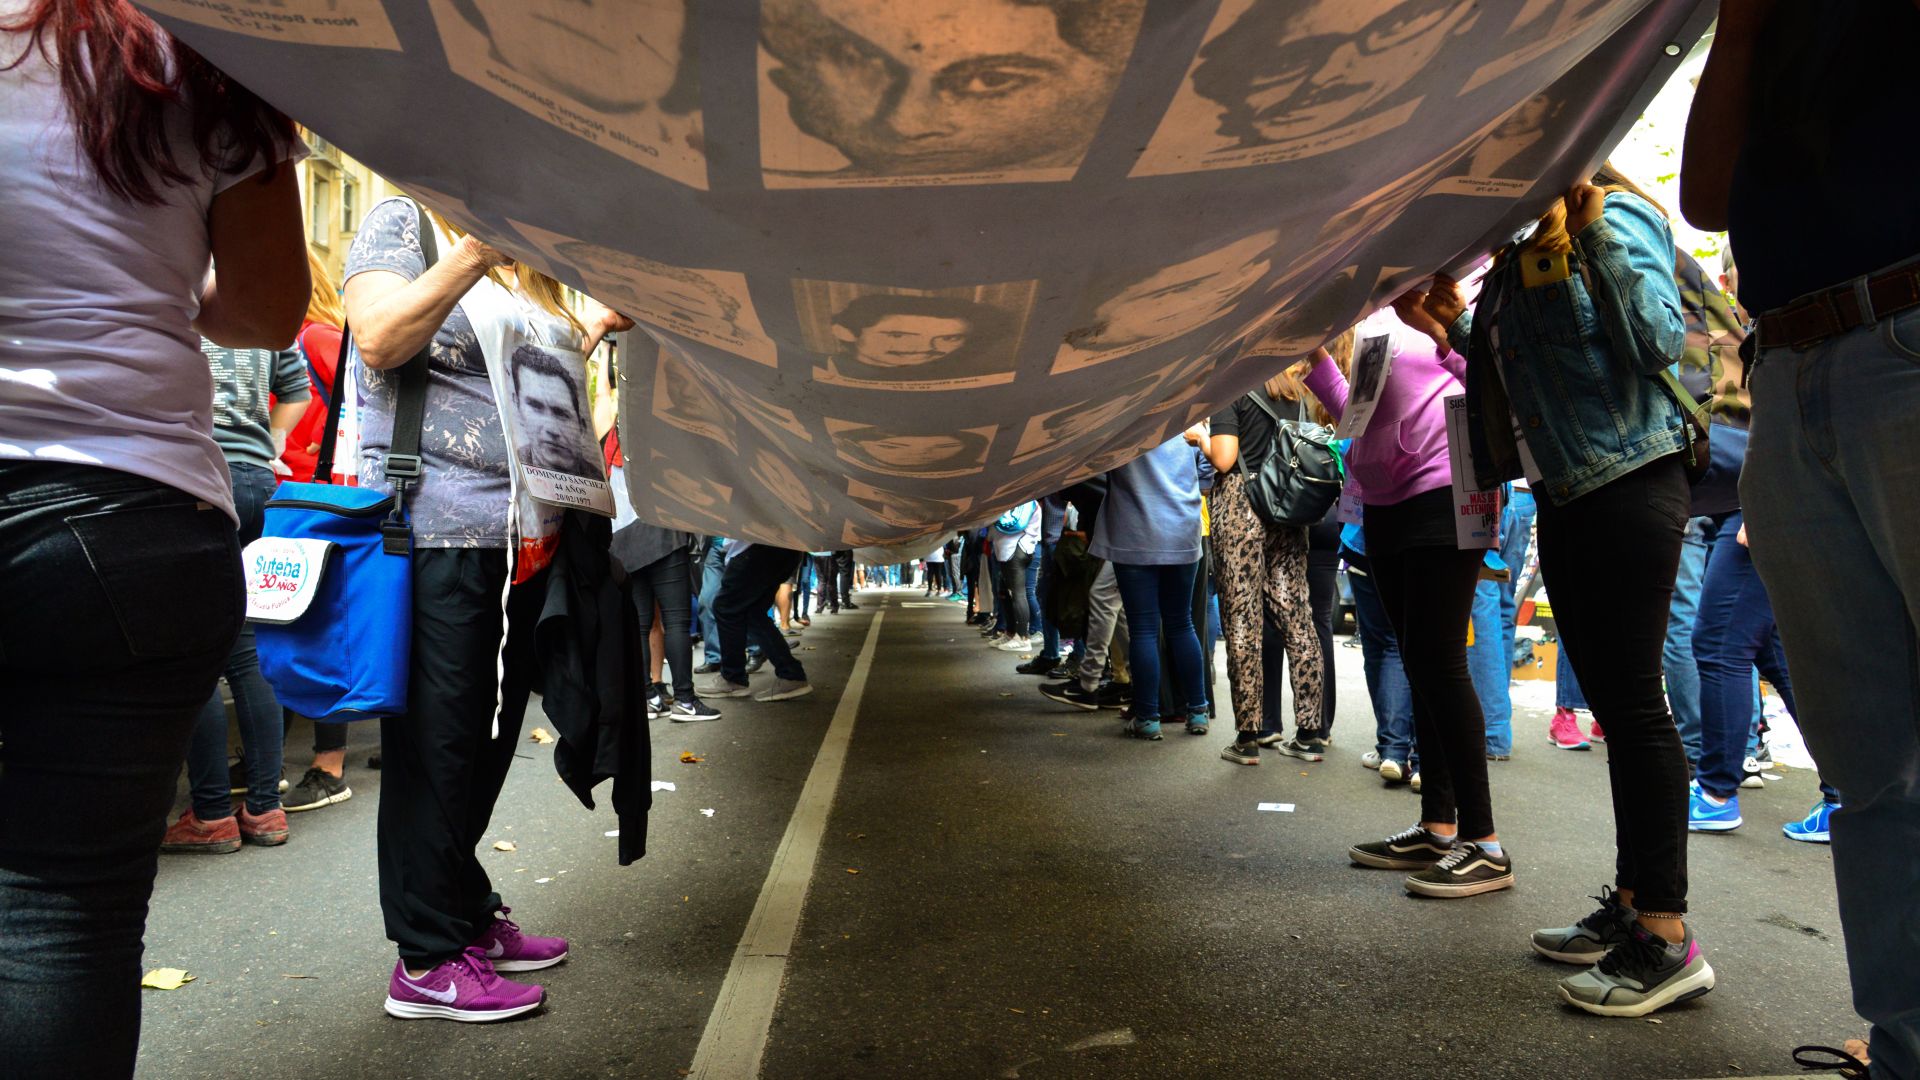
column 120, row 598
column 1734, row 635
column 1683, row 678
column 1380, row 657
column 1828, row 497
column 1040, row 580
column 1516, row 539
column 1566, row 687
column 1159, row 600
column 712, row 569
column 262, row 728
column 1490, row 662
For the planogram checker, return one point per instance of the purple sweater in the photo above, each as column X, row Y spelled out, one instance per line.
column 1404, row 452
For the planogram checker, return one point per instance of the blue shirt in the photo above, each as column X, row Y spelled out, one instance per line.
column 1151, row 516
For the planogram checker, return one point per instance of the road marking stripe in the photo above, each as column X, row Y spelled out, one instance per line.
column 737, row 1030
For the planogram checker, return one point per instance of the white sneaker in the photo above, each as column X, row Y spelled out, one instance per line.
column 1015, row 644
column 1414, row 782
column 1394, row 771
column 1370, row 759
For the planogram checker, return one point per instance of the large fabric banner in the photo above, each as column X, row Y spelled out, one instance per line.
column 901, row 263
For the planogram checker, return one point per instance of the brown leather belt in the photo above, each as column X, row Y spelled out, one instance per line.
column 1836, row 311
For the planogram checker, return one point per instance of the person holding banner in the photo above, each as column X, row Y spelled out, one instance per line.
column 445, row 761
column 1567, row 345
column 1399, row 462
column 127, row 162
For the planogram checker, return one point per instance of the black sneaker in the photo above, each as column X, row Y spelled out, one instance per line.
column 1242, row 753
column 1061, row 671
column 656, row 705
column 316, row 789
column 1467, row 870
column 1412, row 849
column 1586, row 941
column 1640, row 975
column 1070, row 693
column 1304, row 749
column 689, row 712
column 1039, row 665
column 755, row 664
column 706, row 669
column 1115, row 695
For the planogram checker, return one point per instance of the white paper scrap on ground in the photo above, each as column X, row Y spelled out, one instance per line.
column 664, row 785
column 541, row 880
column 1277, row 807
column 611, row 832
column 709, row 813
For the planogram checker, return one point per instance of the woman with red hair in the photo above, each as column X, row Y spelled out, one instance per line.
column 129, row 164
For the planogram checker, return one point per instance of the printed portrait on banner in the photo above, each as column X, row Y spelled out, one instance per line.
column 1543, row 27
column 961, row 452
column 712, row 307
column 1506, row 162
column 688, row 493
column 620, row 74
column 901, row 339
column 355, row 24
column 1281, row 80
column 905, row 509
column 876, row 93
column 1128, row 313
column 1061, row 429
column 779, row 479
column 683, row 400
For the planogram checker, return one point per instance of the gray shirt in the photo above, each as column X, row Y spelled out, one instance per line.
column 463, row 496
column 242, row 409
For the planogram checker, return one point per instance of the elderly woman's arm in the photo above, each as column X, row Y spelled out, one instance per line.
column 393, row 318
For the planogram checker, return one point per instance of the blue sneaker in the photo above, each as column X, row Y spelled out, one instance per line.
column 1142, row 729
column 1815, row 827
column 1704, row 816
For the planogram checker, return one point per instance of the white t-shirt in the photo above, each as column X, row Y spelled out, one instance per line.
column 99, row 361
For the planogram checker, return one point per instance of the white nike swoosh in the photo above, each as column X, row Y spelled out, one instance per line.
column 496, row 950
column 445, row 997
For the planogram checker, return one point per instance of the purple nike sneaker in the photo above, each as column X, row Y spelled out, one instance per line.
column 507, row 949
column 464, row 988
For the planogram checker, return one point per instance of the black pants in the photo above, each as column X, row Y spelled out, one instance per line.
column 1427, row 590
column 665, row 582
column 442, row 769
column 1013, row 592
column 1612, row 556
column 120, row 598
column 747, row 590
column 843, row 576
column 1323, row 593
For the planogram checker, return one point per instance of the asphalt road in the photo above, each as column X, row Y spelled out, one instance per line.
column 1034, row 897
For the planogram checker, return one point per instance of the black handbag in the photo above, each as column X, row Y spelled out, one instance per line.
column 1300, row 478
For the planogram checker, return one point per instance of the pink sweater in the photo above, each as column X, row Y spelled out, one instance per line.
column 1404, row 452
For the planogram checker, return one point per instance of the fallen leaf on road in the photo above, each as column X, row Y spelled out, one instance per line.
column 540, row 735
column 166, row 979
column 1011, row 1009
column 688, row 757
column 505, row 845
column 851, row 870
column 284, row 975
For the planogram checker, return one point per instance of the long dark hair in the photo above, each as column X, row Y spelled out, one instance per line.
column 120, row 74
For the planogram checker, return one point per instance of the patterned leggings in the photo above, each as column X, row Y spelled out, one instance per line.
column 1262, row 571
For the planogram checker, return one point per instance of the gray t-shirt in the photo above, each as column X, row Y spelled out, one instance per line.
column 463, row 496
column 242, row 410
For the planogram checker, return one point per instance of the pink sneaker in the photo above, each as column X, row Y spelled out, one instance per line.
column 1564, row 732
column 1598, row 735
column 507, row 949
column 463, row 988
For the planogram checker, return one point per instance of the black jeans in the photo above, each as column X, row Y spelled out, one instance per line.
column 442, row 767
column 120, row 598
column 746, row 592
column 843, row 577
column 1612, row 556
column 1428, row 594
column 1013, row 579
column 1323, row 592
column 665, row 581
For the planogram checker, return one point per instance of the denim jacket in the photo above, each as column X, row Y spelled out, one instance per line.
column 1579, row 359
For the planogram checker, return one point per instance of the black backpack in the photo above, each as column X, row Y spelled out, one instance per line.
column 1300, row 478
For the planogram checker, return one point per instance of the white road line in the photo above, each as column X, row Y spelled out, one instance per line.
column 736, row 1035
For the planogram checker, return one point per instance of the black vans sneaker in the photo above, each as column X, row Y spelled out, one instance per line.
column 1413, row 849
column 1468, row 870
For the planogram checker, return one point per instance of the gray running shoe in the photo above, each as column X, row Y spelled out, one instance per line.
column 1640, row 975
column 1586, row 941
column 785, row 690
column 717, row 685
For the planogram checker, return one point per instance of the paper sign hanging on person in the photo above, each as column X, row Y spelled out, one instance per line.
column 1372, row 365
column 550, row 429
column 1476, row 513
column 960, row 253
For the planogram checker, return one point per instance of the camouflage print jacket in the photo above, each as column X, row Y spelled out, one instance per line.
column 1716, row 325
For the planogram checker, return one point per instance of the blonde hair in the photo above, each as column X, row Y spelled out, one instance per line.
column 544, row 291
column 1551, row 237
column 324, row 305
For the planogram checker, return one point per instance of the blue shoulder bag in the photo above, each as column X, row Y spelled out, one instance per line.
column 330, row 581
